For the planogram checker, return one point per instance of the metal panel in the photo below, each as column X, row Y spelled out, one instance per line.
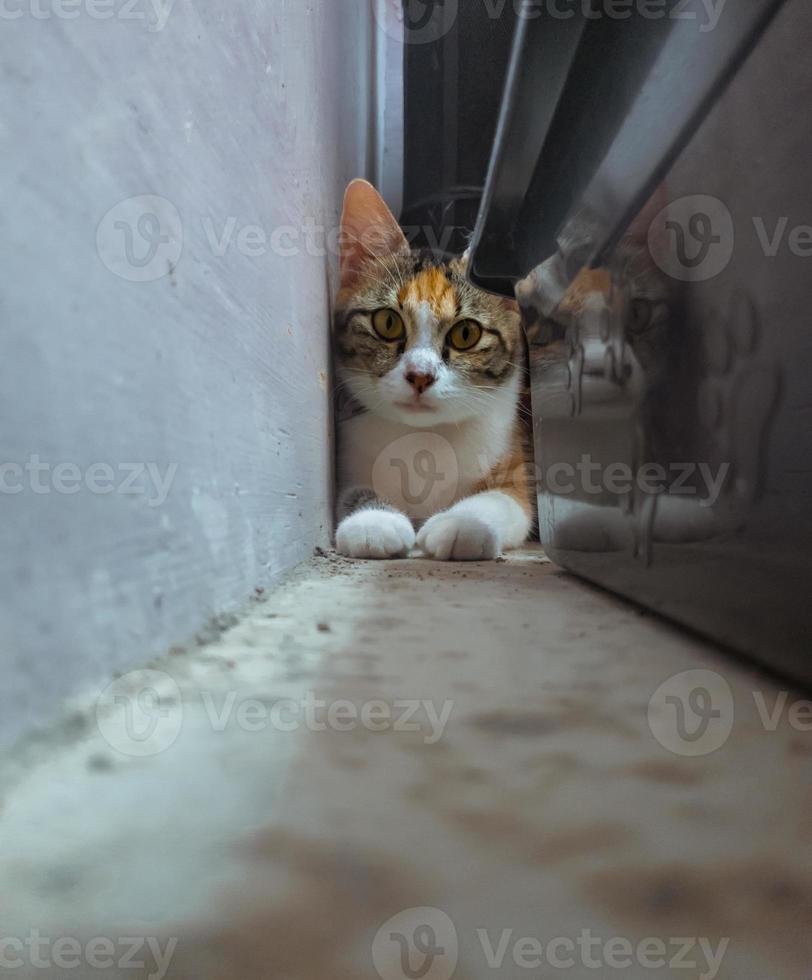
column 690, row 352
column 596, row 109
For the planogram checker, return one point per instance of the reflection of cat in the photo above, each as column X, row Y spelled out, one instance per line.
column 631, row 270
column 663, row 381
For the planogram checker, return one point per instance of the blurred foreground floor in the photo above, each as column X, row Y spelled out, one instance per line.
column 517, row 758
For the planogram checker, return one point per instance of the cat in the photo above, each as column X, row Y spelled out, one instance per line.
column 431, row 448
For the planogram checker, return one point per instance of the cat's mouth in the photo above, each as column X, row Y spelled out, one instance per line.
column 415, row 407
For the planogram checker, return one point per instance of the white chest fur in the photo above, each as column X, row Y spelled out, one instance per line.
column 422, row 471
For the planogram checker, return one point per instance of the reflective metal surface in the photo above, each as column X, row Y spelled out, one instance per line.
column 598, row 103
column 671, row 388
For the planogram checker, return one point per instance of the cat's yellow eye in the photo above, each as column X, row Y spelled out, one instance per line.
column 389, row 325
column 465, row 335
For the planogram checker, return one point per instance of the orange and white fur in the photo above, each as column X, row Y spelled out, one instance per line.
column 432, row 453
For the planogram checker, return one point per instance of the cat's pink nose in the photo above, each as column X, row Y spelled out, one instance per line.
column 420, row 382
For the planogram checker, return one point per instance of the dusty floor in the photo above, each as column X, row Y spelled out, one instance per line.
column 488, row 746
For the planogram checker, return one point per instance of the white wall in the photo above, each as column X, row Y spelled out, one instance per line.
column 235, row 113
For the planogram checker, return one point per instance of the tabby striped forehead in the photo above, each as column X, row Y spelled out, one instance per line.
column 415, row 280
column 433, row 286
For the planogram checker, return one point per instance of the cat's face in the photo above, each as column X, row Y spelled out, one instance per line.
column 415, row 342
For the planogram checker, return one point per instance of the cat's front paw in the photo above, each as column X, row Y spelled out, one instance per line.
column 459, row 537
column 375, row 534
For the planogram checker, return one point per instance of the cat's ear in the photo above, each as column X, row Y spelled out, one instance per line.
column 460, row 262
column 368, row 228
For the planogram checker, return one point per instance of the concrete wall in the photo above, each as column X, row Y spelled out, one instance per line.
column 145, row 330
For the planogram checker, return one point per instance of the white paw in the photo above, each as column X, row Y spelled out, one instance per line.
column 459, row 537
column 375, row 534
